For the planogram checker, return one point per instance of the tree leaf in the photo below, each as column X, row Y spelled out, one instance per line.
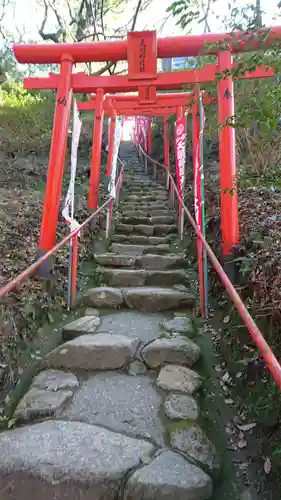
column 267, row 465
column 246, row 427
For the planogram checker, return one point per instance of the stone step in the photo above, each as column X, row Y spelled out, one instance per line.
column 147, row 230
column 152, row 213
column 155, row 299
column 142, row 277
column 85, row 325
column 147, row 207
column 127, row 249
column 142, row 198
column 135, row 220
column 142, row 185
column 139, row 180
column 131, row 228
column 152, row 261
column 142, row 325
column 115, row 260
column 119, row 402
column 93, row 352
column 93, row 462
column 149, row 191
column 150, row 299
column 162, row 212
column 149, row 261
column 144, row 203
column 139, row 239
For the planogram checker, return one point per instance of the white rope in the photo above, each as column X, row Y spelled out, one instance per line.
column 68, row 208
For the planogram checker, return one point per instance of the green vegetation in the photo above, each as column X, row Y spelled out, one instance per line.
column 25, row 119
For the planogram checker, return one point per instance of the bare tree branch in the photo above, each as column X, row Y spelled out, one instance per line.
column 135, row 17
column 89, row 20
column 55, row 36
column 206, row 12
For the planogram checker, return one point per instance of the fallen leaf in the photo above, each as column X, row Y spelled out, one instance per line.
column 226, row 319
column 243, row 466
column 226, row 377
column 267, row 465
column 246, row 427
column 242, row 443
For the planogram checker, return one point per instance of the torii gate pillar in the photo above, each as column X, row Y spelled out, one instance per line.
column 93, row 197
column 56, row 166
column 166, row 147
column 149, row 136
column 228, row 186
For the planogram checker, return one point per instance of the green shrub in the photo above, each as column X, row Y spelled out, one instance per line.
column 25, row 119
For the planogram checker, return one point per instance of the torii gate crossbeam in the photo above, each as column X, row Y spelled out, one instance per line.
column 179, row 46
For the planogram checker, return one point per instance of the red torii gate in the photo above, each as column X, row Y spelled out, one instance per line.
column 132, row 105
column 141, row 49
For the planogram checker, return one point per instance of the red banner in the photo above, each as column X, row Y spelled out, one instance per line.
column 180, row 136
column 197, row 186
column 198, row 179
column 142, row 131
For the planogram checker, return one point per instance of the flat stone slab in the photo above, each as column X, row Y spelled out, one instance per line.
column 119, row 402
column 123, row 277
column 139, row 239
column 177, row 350
column 137, row 367
column 124, row 249
column 147, row 198
column 144, row 229
column 139, row 218
column 103, row 297
column 124, row 228
column 164, row 229
column 138, row 250
column 168, row 477
column 115, row 260
column 55, row 380
column 158, row 240
column 132, row 324
column 91, row 311
column 147, row 206
column 94, row 352
column 181, row 407
column 179, row 324
column 157, row 249
column 193, row 441
column 178, row 378
column 142, row 277
column 81, row 326
column 70, row 460
column 49, row 391
column 157, row 299
column 150, row 261
column 155, row 212
column 40, row 403
column 134, row 213
column 160, row 219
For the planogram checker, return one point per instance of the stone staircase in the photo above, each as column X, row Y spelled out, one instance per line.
column 113, row 413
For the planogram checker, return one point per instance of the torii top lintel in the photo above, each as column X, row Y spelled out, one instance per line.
column 180, row 46
column 169, row 103
column 136, row 111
